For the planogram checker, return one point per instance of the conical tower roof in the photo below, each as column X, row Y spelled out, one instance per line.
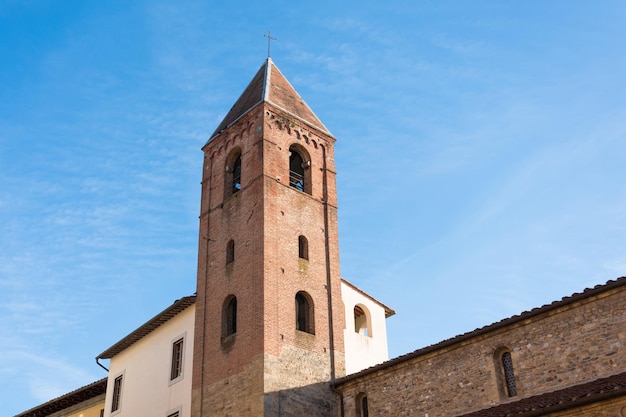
column 269, row 85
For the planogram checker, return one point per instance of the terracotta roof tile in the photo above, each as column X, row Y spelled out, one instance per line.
column 177, row 307
column 72, row 398
column 563, row 399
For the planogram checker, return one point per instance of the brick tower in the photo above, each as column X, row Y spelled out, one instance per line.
column 269, row 317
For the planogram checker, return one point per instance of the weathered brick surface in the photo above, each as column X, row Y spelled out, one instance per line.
column 277, row 369
column 578, row 342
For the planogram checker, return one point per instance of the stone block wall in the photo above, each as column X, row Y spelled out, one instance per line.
column 574, row 342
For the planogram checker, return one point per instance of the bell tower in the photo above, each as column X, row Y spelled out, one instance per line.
column 269, row 316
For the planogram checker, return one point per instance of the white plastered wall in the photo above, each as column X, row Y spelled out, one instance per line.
column 146, row 366
column 363, row 350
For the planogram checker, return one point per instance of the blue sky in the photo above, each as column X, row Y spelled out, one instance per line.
column 480, row 159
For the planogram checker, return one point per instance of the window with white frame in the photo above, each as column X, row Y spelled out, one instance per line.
column 175, row 412
column 176, row 369
column 116, row 402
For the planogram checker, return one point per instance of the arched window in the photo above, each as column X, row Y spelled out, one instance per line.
column 237, row 174
column 362, row 321
column 299, row 172
column 229, row 317
column 233, row 174
column 303, row 247
column 362, row 405
column 304, row 313
column 509, row 374
column 230, row 251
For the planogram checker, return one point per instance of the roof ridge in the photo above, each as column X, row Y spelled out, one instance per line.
column 317, row 119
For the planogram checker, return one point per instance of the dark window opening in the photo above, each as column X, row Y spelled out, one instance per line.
column 117, row 394
column 232, row 176
column 304, row 313
column 236, row 182
column 509, row 375
column 230, row 252
column 230, row 317
column 296, row 171
column 364, row 407
column 177, row 359
column 303, row 248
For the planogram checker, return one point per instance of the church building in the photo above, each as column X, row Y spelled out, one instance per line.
column 274, row 330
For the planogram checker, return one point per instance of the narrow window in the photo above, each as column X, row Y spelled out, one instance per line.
column 303, row 248
column 177, row 359
column 364, row 407
column 117, row 393
column 361, row 405
column 230, row 317
column 236, row 183
column 509, row 375
column 304, row 313
column 299, row 172
column 232, row 177
column 175, row 414
column 230, row 251
column 296, row 171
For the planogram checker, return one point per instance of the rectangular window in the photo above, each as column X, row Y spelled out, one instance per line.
column 117, row 394
column 176, row 414
column 177, row 359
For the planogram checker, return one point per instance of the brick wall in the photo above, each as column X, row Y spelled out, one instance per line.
column 267, row 365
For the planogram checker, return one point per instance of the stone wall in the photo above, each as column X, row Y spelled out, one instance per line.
column 237, row 395
column 574, row 342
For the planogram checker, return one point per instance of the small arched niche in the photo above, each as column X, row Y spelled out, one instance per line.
column 362, row 320
column 229, row 316
column 305, row 316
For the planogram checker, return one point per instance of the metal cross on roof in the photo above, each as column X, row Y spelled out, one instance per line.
column 269, row 40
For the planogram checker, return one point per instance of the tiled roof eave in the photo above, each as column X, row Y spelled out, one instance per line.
column 388, row 310
column 587, row 293
column 177, row 307
column 67, row 400
column 575, row 396
column 321, row 128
